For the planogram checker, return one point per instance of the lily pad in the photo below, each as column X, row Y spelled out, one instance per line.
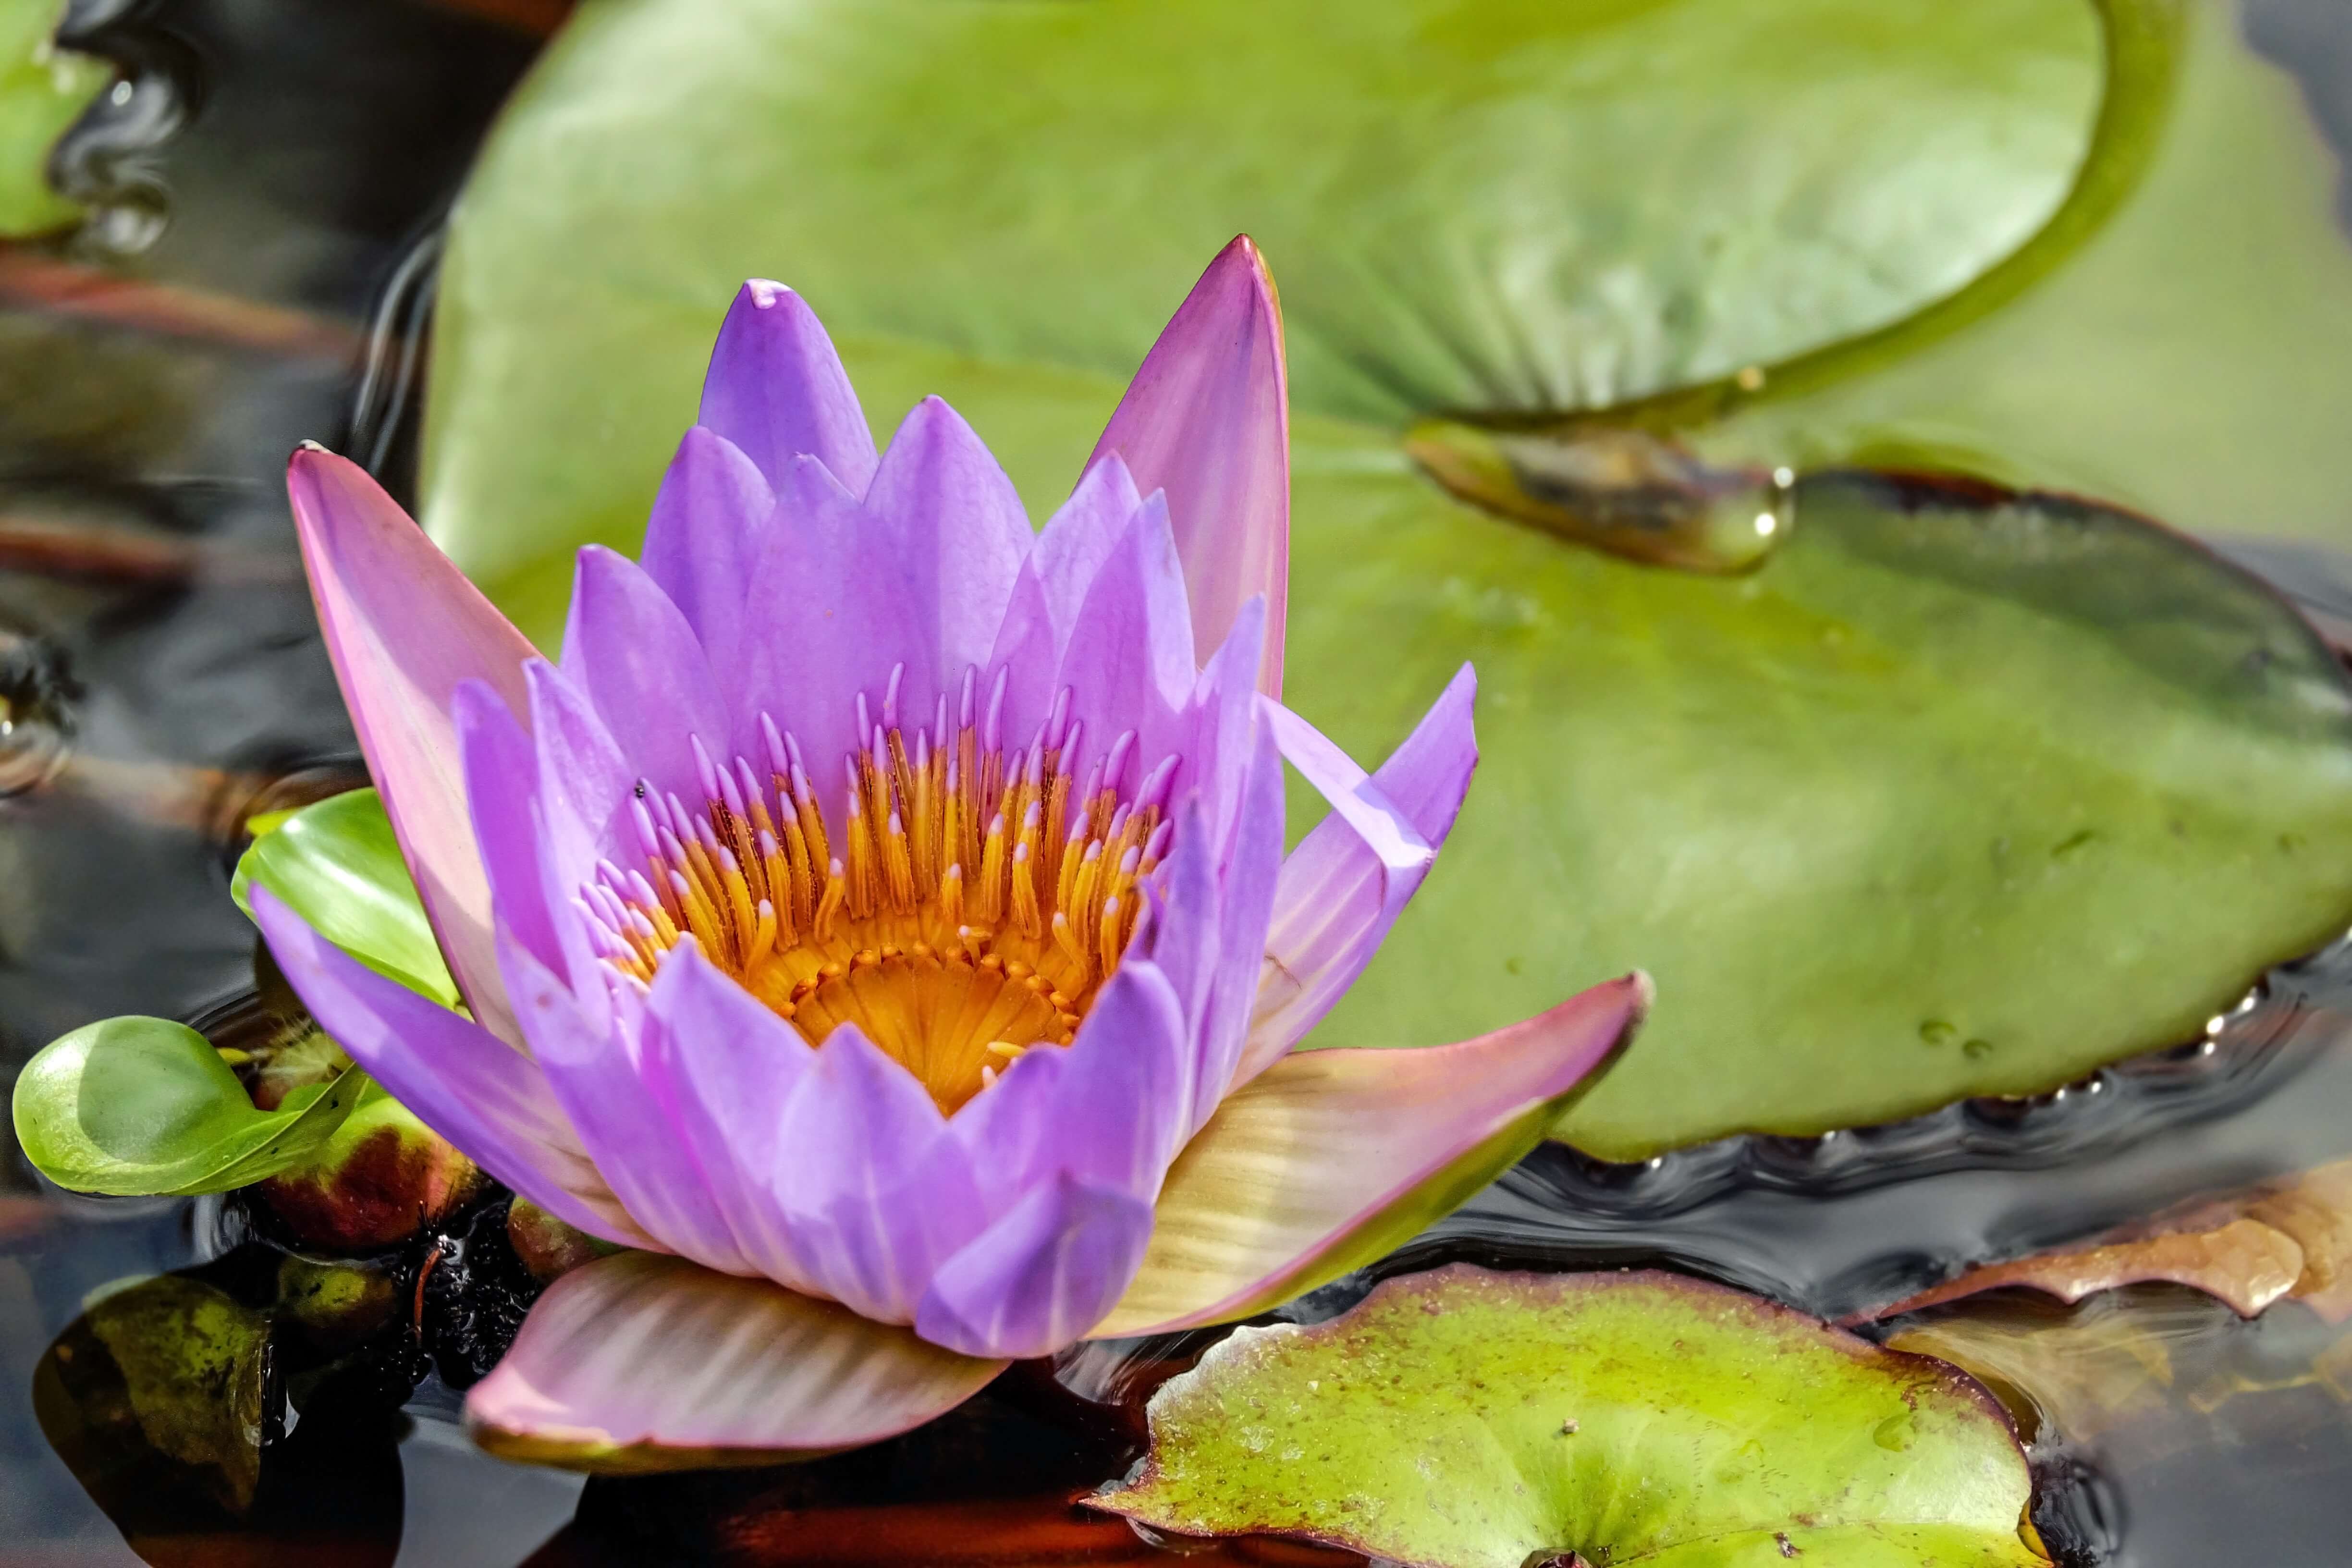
column 43, row 89
column 337, row 864
column 2190, row 359
column 1516, row 204
column 145, row 1106
column 1464, row 1420
column 1887, row 817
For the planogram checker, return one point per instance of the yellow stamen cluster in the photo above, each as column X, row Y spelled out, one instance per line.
column 966, row 906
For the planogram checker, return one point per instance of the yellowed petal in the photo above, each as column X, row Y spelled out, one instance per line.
column 1329, row 1159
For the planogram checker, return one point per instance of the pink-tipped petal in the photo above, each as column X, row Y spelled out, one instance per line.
column 1329, row 1159
column 406, row 629
column 776, row 389
column 1207, row 419
column 638, row 1364
column 1343, row 887
column 484, row 1097
column 1039, row 1279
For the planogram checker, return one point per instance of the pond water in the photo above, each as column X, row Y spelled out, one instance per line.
column 274, row 175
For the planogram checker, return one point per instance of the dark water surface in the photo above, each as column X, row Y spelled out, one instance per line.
column 274, row 176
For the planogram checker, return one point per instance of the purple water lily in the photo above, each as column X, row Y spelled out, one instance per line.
column 878, row 920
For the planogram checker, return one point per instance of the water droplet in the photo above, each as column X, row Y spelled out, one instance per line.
column 1894, row 1433
column 1977, row 1050
column 1936, row 1032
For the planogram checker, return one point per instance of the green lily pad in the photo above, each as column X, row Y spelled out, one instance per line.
column 1887, row 818
column 1517, row 204
column 145, row 1106
column 2191, row 358
column 1464, row 1420
column 43, row 89
column 338, row 865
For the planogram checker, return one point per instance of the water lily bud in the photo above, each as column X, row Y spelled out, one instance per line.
column 336, row 1304
column 547, row 1247
column 382, row 1177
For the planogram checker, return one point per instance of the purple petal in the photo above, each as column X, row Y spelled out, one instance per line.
column 625, row 1127
column 1076, row 540
column 1331, row 1159
column 1251, row 883
column 638, row 1362
column 708, row 529
column 731, row 1065
column 777, row 390
column 1127, row 1084
column 630, row 650
column 1027, row 647
column 830, row 625
column 582, row 788
column 501, row 771
column 404, row 631
column 484, row 1097
column 1344, row 887
column 1207, row 419
column 952, row 533
column 1037, row 1280
column 874, row 1194
column 1129, row 658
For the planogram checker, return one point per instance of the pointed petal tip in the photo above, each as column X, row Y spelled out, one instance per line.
column 1207, row 419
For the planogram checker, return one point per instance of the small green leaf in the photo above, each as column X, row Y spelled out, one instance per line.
column 338, row 865
column 42, row 90
column 1465, row 1419
column 145, row 1106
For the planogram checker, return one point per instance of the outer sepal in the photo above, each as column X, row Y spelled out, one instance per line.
column 638, row 1362
column 1289, row 1185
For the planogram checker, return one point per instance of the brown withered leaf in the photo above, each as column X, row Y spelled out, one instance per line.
column 2291, row 1238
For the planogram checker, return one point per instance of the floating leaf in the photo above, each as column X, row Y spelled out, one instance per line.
column 1523, row 205
column 1464, row 1420
column 1884, row 817
column 43, row 89
column 2191, row 358
column 338, row 866
column 145, row 1106
column 2292, row 1238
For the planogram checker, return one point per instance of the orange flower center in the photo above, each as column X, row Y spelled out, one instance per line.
column 966, row 909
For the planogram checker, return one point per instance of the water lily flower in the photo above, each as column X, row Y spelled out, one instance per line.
column 878, row 921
